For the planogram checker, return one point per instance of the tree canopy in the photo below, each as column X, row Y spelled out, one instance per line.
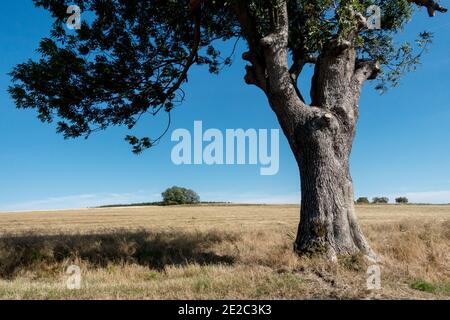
column 130, row 58
column 177, row 195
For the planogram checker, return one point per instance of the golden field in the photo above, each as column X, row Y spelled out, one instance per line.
column 217, row 252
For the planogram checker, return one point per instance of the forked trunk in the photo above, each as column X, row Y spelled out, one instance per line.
column 320, row 134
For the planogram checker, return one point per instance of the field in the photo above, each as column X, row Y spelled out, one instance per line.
column 217, row 252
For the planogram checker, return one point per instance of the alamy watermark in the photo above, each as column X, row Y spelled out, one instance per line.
column 373, row 277
column 374, row 17
column 73, row 281
column 234, row 147
column 74, row 21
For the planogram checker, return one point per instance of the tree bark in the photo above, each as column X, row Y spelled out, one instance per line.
column 328, row 223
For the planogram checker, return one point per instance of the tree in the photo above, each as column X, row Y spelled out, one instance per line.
column 192, row 197
column 134, row 56
column 363, row 200
column 177, row 195
column 402, row 200
column 380, row 200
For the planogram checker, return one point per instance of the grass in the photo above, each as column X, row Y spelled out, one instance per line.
column 422, row 285
column 425, row 286
column 216, row 252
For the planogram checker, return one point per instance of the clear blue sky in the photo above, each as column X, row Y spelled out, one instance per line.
column 402, row 146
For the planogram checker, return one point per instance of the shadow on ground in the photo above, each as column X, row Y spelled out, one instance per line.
column 155, row 250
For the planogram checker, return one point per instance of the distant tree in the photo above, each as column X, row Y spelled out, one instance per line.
column 177, row 195
column 378, row 200
column 402, row 200
column 192, row 197
column 362, row 200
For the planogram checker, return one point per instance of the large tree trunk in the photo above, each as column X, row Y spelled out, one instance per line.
column 320, row 134
column 328, row 222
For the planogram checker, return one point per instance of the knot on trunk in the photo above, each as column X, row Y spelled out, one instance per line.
column 324, row 121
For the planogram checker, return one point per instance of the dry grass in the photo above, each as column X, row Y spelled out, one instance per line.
column 216, row 252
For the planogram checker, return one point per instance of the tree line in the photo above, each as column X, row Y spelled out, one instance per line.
column 381, row 200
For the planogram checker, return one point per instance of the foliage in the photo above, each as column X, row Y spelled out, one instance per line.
column 382, row 200
column 402, row 200
column 130, row 59
column 363, row 200
column 423, row 285
column 177, row 195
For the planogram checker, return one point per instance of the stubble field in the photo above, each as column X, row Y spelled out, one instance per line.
column 217, row 252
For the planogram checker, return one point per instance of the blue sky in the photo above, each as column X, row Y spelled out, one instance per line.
column 402, row 145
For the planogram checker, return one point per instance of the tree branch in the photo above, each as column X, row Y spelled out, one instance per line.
column 280, row 33
column 276, row 53
column 196, row 13
column 270, row 70
column 431, row 5
column 256, row 73
column 194, row 51
column 283, row 94
column 298, row 64
column 366, row 70
column 196, row 4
